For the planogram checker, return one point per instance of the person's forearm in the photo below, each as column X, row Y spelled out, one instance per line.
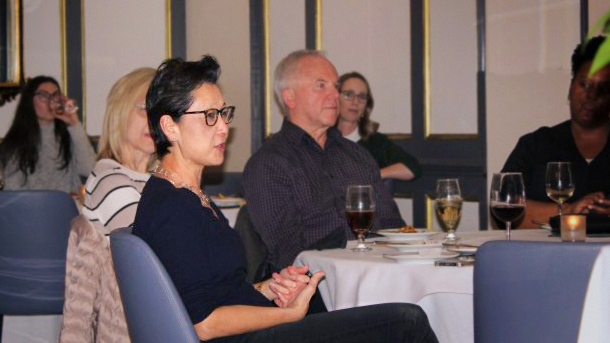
column 537, row 212
column 83, row 153
column 397, row 171
column 238, row 319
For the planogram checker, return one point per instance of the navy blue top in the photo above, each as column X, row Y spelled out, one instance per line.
column 203, row 255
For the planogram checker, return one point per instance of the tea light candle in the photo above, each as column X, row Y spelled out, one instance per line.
column 573, row 228
column 573, row 222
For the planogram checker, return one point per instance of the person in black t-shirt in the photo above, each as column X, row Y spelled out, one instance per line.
column 583, row 140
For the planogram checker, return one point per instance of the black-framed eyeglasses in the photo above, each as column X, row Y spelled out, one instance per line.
column 45, row 96
column 349, row 96
column 211, row 115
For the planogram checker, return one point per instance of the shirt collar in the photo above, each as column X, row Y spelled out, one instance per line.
column 297, row 135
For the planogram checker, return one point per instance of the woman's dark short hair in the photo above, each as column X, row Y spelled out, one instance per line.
column 170, row 93
column 366, row 127
column 582, row 55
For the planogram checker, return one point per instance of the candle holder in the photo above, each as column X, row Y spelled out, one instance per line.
column 573, row 228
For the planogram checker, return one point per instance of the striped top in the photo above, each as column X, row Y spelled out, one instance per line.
column 112, row 193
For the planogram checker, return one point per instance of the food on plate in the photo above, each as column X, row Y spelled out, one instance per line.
column 407, row 229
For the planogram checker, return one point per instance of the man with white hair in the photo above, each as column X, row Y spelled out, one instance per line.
column 295, row 185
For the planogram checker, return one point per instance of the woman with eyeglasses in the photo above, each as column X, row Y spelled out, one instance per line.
column 355, row 107
column 204, row 257
column 46, row 146
column 125, row 157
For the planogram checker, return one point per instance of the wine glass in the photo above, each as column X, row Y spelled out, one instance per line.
column 360, row 208
column 61, row 104
column 449, row 207
column 559, row 186
column 507, row 198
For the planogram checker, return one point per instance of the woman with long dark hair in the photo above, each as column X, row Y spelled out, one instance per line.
column 45, row 148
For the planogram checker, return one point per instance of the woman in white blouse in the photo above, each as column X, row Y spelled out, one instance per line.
column 126, row 155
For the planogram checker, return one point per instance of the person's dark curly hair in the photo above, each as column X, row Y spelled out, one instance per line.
column 171, row 93
column 585, row 52
column 22, row 140
column 366, row 127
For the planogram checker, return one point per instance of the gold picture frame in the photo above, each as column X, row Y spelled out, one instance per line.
column 11, row 69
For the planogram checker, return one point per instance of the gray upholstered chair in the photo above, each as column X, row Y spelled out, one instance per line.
column 531, row 291
column 34, row 229
column 153, row 309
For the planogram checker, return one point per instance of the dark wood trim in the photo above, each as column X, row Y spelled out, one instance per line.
column 584, row 19
column 310, row 24
column 257, row 73
column 482, row 111
column 178, row 29
column 75, row 75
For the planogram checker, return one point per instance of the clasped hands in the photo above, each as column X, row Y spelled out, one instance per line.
column 293, row 284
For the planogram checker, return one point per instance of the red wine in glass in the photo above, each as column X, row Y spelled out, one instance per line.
column 360, row 221
column 360, row 209
column 507, row 213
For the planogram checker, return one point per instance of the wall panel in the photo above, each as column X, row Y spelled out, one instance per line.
column 528, row 57
column 119, row 37
column 453, row 67
column 286, row 34
column 41, row 41
column 221, row 28
column 373, row 38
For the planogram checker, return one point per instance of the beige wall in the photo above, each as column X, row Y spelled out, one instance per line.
column 134, row 37
column 528, row 69
column 119, row 36
column 221, row 28
column 381, row 52
column 41, row 46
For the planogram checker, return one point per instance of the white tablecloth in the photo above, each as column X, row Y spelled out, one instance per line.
column 445, row 293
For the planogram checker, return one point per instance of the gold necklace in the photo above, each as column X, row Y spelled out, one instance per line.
column 171, row 177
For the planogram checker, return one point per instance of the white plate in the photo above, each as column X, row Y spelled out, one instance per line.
column 395, row 235
column 463, row 250
column 422, row 256
column 409, row 245
column 226, row 202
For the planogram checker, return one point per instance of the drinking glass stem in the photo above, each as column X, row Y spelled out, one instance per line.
column 508, row 231
column 559, row 208
column 361, row 243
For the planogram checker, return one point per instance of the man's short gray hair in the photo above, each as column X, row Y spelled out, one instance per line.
column 287, row 69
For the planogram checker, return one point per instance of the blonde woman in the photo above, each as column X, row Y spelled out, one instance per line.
column 126, row 155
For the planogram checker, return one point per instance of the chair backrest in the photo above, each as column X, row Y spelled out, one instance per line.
column 531, row 291
column 256, row 250
column 34, row 230
column 153, row 308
